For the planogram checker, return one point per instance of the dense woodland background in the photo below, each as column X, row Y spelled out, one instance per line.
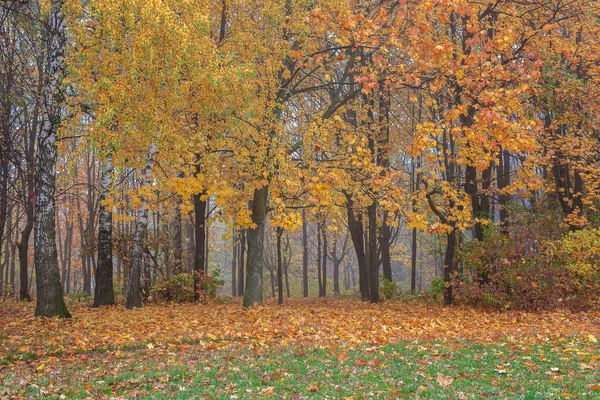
column 300, row 148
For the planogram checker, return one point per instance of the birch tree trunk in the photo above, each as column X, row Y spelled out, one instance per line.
column 104, row 294
column 50, row 300
column 134, row 284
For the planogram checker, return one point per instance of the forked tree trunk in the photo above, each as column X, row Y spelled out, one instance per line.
column 134, row 284
column 50, row 301
column 254, row 269
column 104, row 294
column 355, row 226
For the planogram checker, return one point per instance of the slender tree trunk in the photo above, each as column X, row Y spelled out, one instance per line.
column 384, row 244
column 200, row 235
column 206, row 236
column 177, row 242
column 304, row 256
column 254, row 269
column 234, row 257
column 50, row 300
column 503, row 180
column 134, row 287
column 355, row 226
column 319, row 260
column 336, row 278
column 286, row 265
column 413, row 253
column 449, row 267
column 279, row 267
column 324, row 265
column 241, row 279
column 373, row 259
column 104, row 294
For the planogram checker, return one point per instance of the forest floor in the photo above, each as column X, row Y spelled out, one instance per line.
column 307, row 348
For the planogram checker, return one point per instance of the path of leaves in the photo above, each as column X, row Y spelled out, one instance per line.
column 311, row 322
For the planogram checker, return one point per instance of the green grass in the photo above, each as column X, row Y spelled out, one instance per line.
column 411, row 370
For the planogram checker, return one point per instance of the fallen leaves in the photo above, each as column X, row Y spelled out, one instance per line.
column 331, row 323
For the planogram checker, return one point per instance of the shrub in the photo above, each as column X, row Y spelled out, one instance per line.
column 180, row 288
column 388, row 289
column 536, row 267
column 208, row 284
column 438, row 286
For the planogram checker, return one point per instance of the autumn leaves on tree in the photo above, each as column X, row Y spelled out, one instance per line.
column 362, row 118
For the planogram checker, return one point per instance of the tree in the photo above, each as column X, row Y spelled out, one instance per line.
column 50, row 300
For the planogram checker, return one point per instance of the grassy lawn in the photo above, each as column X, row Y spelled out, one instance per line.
column 405, row 370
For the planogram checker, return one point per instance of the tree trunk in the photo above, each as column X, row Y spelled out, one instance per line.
column 50, row 301
column 324, row 264
column 304, row 256
column 177, row 242
column 104, row 294
column 355, row 227
column 319, row 260
column 254, row 269
column 241, row 280
column 373, row 259
column 206, row 236
column 384, row 244
column 200, row 235
column 134, row 287
column 234, row 257
column 503, row 179
column 449, row 267
column 279, row 268
column 23, row 248
column 286, row 265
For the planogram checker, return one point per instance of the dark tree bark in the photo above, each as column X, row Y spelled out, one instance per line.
column 355, row 226
column 200, row 235
column 449, row 267
column 385, row 238
column 234, row 257
column 324, row 263
column 319, row 260
column 503, row 180
column 241, row 279
column 23, row 248
column 279, row 267
column 177, row 242
column 254, row 269
column 104, row 294
column 338, row 258
column 373, row 261
column 286, row 264
column 304, row 256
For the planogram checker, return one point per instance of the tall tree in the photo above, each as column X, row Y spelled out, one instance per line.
column 104, row 291
column 50, row 300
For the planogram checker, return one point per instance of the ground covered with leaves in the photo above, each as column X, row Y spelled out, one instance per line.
column 340, row 348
